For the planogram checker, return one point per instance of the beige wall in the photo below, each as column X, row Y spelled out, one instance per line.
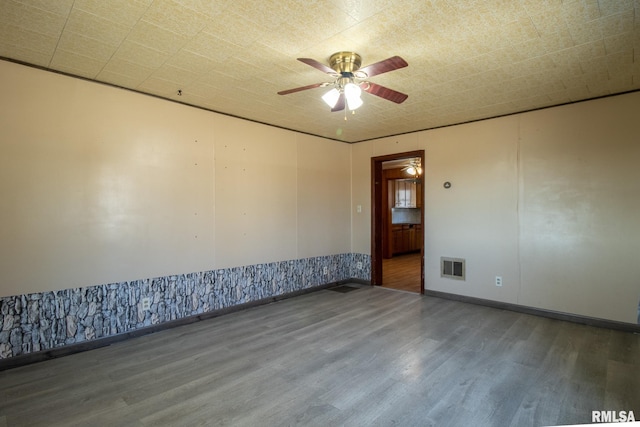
column 477, row 218
column 324, row 197
column 101, row 185
column 255, row 193
column 549, row 200
column 580, row 208
column 361, row 155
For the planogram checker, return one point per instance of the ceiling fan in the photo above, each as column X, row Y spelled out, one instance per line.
column 350, row 80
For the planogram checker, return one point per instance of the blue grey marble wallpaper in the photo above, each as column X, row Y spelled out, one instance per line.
column 42, row 321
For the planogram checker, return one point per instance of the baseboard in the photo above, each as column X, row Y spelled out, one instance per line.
column 40, row 356
column 574, row 318
column 358, row 281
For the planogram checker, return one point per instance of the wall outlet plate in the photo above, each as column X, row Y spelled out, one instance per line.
column 498, row 280
column 146, row 303
column 325, row 270
column 359, row 265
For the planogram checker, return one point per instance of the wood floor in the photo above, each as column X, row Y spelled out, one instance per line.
column 402, row 272
column 370, row 357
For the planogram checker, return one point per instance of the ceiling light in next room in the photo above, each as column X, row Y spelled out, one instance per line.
column 413, row 168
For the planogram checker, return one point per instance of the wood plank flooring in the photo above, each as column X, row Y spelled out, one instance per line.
column 370, row 357
column 402, row 272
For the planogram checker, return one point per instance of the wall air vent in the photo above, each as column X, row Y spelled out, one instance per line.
column 452, row 268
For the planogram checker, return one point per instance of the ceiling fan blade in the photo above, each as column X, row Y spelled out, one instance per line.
column 319, row 65
column 299, row 89
column 389, row 64
column 384, row 92
column 339, row 105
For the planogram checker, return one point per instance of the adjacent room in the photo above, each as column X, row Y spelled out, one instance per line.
column 320, row 213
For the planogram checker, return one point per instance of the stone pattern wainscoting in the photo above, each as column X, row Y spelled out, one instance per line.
column 41, row 321
column 360, row 267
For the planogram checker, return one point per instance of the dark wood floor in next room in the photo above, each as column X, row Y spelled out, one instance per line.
column 402, row 272
column 369, row 357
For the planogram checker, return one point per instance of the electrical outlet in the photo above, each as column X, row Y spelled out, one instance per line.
column 359, row 265
column 325, row 270
column 359, row 208
column 146, row 303
column 498, row 280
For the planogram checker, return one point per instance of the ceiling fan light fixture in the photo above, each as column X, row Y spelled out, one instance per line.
column 352, row 94
column 331, row 97
column 411, row 170
column 354, row 103
column 350, row 80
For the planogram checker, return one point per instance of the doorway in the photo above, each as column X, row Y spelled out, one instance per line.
column 397, row 241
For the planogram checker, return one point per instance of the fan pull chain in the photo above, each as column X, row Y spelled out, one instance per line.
column 353, row 113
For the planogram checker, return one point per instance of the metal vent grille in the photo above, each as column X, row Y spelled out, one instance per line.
column 452, row 268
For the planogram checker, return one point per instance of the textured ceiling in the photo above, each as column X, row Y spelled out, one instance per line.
column 468, row 59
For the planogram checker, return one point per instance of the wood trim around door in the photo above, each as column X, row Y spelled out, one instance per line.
column 377, row 207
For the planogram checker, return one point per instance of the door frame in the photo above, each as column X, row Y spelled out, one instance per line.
column 377, row 207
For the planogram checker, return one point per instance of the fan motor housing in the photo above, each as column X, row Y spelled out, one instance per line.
column 345, row 62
